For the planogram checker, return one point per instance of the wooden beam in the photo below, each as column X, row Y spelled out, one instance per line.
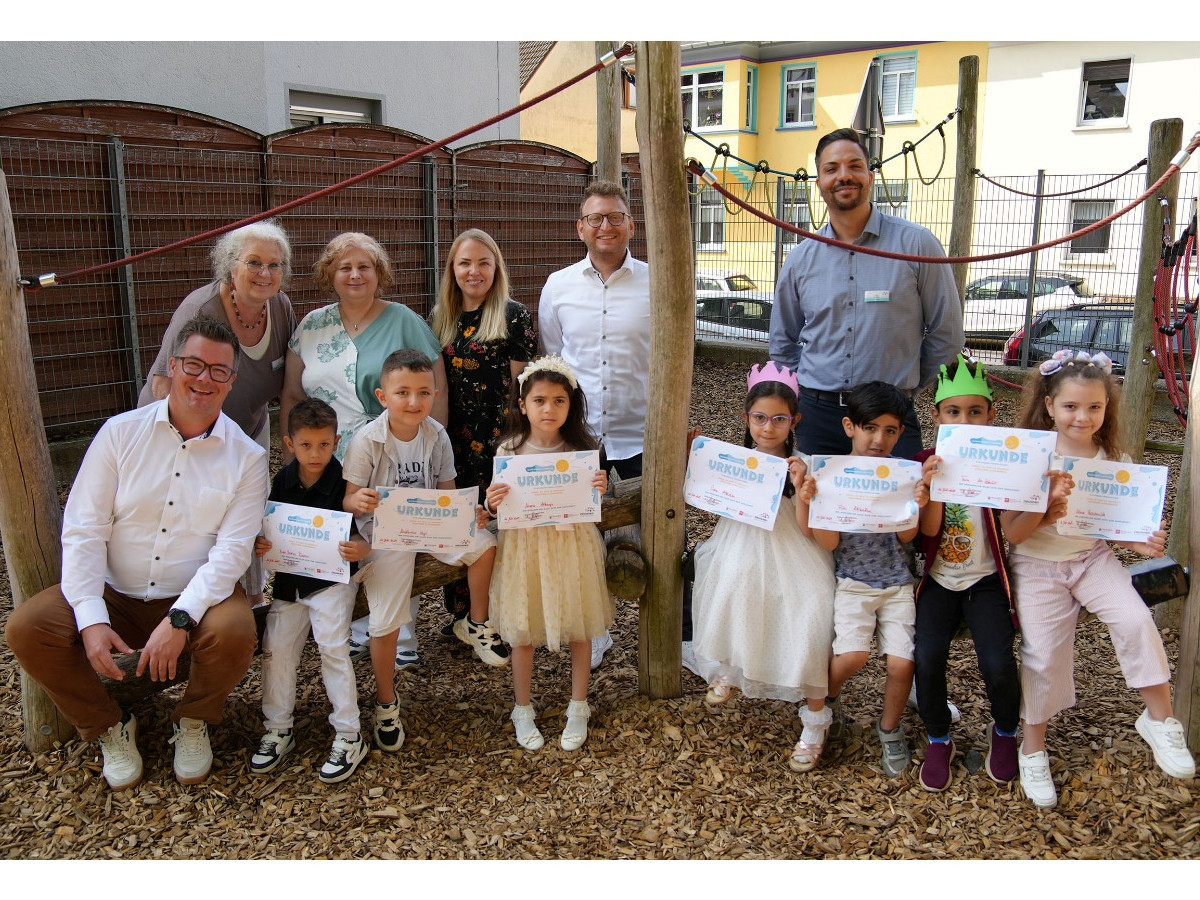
column 30, row 517
column 608, row 116
column 1141, row 369
column 963, row 215
column 672, row 342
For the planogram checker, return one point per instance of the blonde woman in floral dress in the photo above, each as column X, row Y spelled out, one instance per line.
column 487, row 338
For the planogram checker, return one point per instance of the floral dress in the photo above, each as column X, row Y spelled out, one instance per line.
column 479, row 376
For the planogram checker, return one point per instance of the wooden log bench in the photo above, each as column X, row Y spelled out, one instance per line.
column 625, row 568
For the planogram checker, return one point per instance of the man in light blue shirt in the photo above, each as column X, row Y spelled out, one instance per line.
column 842, row 318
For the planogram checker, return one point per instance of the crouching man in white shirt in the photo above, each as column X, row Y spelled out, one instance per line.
column 158, row 528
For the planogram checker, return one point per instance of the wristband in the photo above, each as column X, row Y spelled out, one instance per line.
column 487, row 509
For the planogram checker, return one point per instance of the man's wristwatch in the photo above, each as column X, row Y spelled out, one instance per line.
column 180, row 619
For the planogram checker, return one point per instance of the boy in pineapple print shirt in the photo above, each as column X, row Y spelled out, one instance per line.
column 966, row 578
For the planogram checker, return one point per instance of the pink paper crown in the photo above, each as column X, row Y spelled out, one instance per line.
column 771, row 372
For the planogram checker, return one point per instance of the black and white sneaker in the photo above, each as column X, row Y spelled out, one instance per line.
column 344, row 758
column 388, row 730
column 273, row 747
column 483, row 638
column 359, row 651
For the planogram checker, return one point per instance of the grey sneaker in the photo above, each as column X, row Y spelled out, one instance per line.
column 193, row 753
column 122, row 762
column 896, row 755
column 273, row 747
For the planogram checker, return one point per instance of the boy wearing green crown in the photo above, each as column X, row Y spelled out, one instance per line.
column 966, row 578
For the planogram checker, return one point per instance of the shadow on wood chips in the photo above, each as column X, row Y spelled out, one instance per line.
column 656, row 780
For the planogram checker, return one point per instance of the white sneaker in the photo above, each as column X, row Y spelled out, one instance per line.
column 193, row 753
column 528, row 735
column 689, row 658
column 483, row 638
column 1166, row 740
column 388, row 729
column 273, row 747
column 600, row 646
column 1036, row 780
column 122, row 762
column 955, row 715
column 575, row 733
column 345, row 755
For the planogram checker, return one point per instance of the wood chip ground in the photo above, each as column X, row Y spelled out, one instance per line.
column 656, row 780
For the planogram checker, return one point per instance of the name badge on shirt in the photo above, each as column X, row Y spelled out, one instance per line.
column 876, row 296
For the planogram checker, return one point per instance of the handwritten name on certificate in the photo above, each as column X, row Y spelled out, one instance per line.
column 304, row 541
column 425, row 519
column 1116, row 501
column 548, row 488
column 864, row 494
column 734, row 482
column 1003, row 468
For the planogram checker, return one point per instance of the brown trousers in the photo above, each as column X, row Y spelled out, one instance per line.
column 43, row 635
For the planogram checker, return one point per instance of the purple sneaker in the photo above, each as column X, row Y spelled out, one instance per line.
column 1001, row 762
column 935, row 770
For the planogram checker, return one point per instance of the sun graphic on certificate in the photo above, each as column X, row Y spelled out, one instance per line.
column 882, row 471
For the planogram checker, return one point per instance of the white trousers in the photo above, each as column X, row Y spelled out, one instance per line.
column 328, row 612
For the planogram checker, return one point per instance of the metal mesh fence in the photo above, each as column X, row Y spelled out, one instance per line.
column 1102, row 266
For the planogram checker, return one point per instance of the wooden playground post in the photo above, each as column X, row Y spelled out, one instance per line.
column 963, row 219
column 1141, row 370
column 672, row 340
column 608, row 116
column 30, row 517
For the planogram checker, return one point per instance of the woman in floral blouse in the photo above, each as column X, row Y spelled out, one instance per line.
column 487, row 338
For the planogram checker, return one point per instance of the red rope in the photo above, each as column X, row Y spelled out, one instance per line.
column 341, row 185
column 696, row 168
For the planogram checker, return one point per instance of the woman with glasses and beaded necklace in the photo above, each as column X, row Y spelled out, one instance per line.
column 337, row 354
column 250, row 266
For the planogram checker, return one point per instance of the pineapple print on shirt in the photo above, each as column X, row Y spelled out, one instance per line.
column 958, row 536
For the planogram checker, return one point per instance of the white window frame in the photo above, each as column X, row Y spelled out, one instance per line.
column 899, row 112
column 789, row 90
column 710, row 213
column 751, row 116
column 690, row 87
column 312, row 108
column 795, row 210
column 1115, row 121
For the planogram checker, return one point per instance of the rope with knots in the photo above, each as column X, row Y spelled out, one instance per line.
column 50, row 280
column 1176, row 164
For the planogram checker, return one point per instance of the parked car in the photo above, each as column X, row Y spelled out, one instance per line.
column 723, row 280
column 1093, row 327
column 732, row 318
column 995, row 305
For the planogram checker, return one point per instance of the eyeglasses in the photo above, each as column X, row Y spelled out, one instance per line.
column 195, row 366
column 761, row 419
column 615, row 219
column 258, row 265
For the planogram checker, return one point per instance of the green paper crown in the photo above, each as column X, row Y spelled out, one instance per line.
column 964, row 384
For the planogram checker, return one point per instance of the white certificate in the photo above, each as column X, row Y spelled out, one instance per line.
column 425, row 519
column 548, row 488
column 864, row 494
column 304, row 541
column 1116, row 501
column 734, row 482
column 987, row 466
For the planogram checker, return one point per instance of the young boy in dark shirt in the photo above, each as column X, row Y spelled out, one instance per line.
column 313, row 478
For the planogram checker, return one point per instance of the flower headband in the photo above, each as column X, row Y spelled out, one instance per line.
column 552, row 363
column 1075, row 358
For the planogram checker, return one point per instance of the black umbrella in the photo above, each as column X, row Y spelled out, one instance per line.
column 868, row 118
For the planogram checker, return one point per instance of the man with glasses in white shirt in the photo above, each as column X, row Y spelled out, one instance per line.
column 159, row 525
column 596, row 315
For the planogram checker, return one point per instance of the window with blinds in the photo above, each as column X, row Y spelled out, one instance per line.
column 1104, row 91
column 899, row 89
column 1084, row 213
